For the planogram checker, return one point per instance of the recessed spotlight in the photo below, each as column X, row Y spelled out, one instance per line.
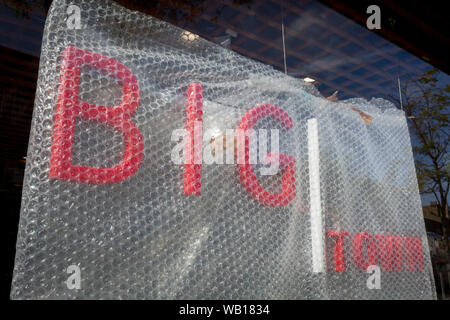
column 189, row 36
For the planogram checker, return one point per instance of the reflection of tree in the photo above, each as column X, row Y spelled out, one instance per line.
column 427, row 107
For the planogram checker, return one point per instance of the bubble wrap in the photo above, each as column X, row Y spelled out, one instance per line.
column 103, row 193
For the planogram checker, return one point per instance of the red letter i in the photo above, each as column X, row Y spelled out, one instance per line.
column 193, row 147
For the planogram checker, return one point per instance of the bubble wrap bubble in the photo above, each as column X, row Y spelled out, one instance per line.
column 143, row 237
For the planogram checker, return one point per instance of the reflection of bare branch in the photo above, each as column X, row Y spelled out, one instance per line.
column 427, row 110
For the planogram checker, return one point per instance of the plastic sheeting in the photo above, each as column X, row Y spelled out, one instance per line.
column 125, row 195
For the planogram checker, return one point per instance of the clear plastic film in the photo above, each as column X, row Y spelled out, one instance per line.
column 138, row 184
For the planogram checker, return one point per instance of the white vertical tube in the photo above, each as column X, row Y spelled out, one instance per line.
column 315, row 201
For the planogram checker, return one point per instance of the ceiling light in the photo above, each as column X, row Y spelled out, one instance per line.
column 308, row 79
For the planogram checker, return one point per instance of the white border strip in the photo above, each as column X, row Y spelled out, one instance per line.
column 315, row 201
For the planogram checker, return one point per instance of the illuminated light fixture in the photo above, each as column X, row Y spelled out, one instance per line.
column 308, row 79
column 189, row 36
